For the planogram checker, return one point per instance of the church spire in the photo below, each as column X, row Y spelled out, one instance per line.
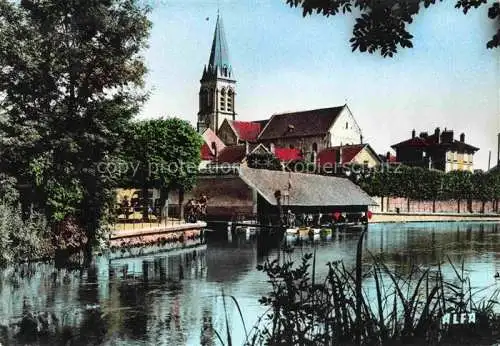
column 218, row 63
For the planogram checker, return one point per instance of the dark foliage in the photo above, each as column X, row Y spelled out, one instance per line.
column 383, row 25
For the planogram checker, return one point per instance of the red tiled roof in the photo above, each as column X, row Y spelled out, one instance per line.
column 299, row 124
column 246, row 130
column 330, row 155
column 232, row 154
column 287, row 154
column 206, row 153
column 210, row 137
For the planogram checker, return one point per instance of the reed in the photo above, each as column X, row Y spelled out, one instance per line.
column 339, row 310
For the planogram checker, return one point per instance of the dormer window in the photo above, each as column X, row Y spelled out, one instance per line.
column 291, row 128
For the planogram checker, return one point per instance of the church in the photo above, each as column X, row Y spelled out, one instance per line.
column 303, row 135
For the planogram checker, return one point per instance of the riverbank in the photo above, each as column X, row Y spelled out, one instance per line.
column 390, row 217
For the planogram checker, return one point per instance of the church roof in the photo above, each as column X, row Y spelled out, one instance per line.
column 218, row 63
column 300, row 124
column 246, row 130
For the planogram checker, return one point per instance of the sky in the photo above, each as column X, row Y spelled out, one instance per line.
column 285, row 62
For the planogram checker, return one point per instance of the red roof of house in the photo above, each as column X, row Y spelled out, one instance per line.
column 210, row 137
column 246, row 130
column 330, row 155
column 206, row 153
column 232, row 154
column 287, row 154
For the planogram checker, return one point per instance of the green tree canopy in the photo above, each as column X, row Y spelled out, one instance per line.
column 383, row 25
column 71, row 80
column 162, row 153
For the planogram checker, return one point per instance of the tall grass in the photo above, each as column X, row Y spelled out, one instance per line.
column 340, row 311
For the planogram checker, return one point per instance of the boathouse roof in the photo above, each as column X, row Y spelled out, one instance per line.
column 305, row 189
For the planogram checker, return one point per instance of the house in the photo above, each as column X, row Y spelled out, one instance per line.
column 233, row 132
column 438, row 151
column 210, row 148
column 312, row 131
column 359, row 154
column 387, row 158
column 248, row 192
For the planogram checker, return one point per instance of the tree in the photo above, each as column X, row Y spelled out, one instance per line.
column 483, row 187
column 458, row 185
column 163, row 154
column 70, row 82
column 382, row 25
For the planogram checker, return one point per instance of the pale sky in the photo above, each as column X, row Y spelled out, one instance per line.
column 285, row 62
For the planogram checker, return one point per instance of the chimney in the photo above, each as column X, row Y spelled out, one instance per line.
column 413, row 134
column 388, row 156
column 436, row 134
column 214, row 149
column 462, row 137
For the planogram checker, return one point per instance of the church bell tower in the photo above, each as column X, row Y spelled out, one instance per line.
column 218, row 86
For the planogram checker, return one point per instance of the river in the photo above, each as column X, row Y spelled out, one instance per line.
column 173, row 298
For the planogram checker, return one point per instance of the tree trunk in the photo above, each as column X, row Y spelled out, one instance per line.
column 458, row 206
column 145, row 202
column 181, row 203
column 434, row 205
column 387, row 207
column 382, row 204
column 408, row 204
column 163, row 201
column 483, row 205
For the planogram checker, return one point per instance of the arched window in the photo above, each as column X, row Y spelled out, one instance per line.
column 223, row 99
column 230, row 99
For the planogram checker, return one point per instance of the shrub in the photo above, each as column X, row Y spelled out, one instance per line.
column 22, row 240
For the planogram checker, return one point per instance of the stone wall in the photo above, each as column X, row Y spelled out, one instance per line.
column 391, row 204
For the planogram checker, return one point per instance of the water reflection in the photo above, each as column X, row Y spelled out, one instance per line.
column 174, row 298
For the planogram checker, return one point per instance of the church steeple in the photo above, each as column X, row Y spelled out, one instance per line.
column 218, row 63
column 218, row 86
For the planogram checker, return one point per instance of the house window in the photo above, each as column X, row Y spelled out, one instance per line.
column 365, row 163
column 346, row 125
column 455, row 156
